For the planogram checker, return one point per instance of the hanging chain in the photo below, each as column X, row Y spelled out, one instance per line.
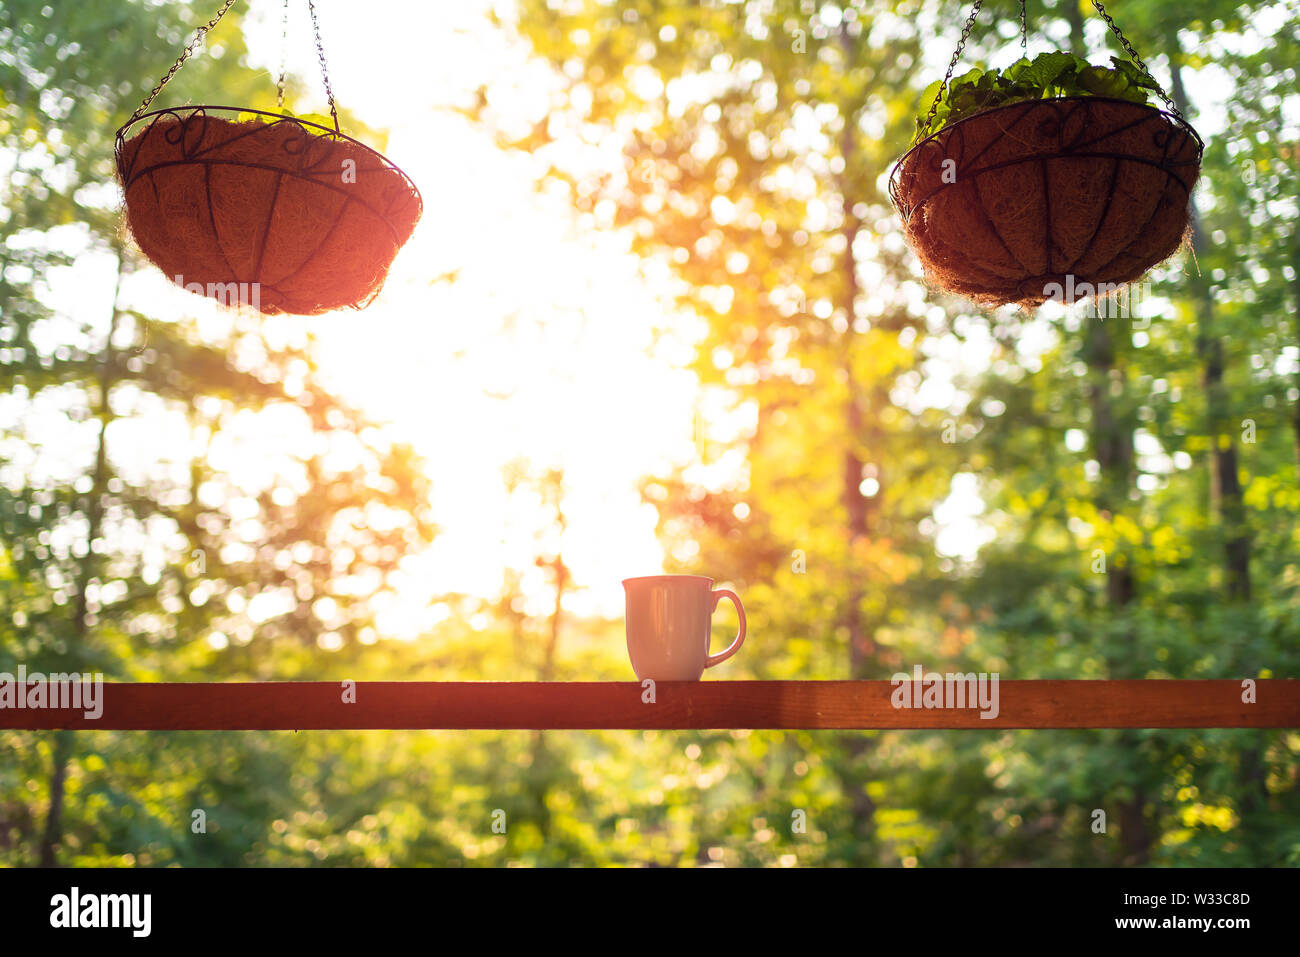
column 1024, row 31
column 199, row 34
column 324, row 71
column 284, row 55
column 1133, row 55
column 961, row 45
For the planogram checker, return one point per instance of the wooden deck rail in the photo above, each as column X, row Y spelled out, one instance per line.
column 246, row 706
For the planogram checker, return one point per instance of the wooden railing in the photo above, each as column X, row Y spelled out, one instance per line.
column 291, row 706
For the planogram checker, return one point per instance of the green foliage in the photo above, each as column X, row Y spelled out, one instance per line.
column 1047, row 76
column 318, row 119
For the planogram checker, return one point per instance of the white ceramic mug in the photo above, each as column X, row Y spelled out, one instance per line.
column 668, row 619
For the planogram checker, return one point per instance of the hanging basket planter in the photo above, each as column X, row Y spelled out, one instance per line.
column 1052, row 180
column 273, row 212
column 1079, row 193
column 262, row 210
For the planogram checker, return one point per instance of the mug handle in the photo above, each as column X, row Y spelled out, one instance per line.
column 718, row 595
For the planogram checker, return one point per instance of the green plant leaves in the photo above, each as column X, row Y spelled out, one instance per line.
column 318, row 118
column 1048, row 75
column 253, row 117
column 1043, row 70
column 1102, row 82
column 1133, row 74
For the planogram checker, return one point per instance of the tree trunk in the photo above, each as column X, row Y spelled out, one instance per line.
column 1226, row 483
column 1295, row 286
column 539, row 777
column 862, row 645
column 1226, row 490
column 1074, row 17
column 561, row 572
column 93, row 506
column 54, row 821
column 1112, row 441
column 1113, row 447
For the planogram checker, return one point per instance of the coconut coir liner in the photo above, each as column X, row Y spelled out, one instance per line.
column 1037, row 191
column 316, row 220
